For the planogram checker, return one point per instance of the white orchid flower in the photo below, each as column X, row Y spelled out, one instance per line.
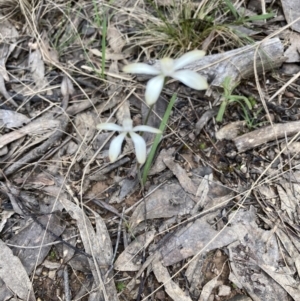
column 169, row 67
column 138, row 141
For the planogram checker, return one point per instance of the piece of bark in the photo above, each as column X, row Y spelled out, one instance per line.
column 269, row 133
column 239, row 63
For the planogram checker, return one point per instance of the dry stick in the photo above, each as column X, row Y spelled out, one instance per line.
column 263, row 135
column 43, row 246
column 66, row 284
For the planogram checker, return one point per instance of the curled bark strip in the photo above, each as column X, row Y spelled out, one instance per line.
column 40, row 150
column 264, row 135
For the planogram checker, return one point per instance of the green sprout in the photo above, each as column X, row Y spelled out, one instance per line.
column 228, row 98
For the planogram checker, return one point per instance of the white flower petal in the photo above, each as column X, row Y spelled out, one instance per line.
column 146, row 128
column 188, row 58
column 140, row 68
column 115, row 147
column 109, row 127
column 139, row 146
column 192, row 79
column 153, row 89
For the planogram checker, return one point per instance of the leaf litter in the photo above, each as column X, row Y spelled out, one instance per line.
column 218, row 217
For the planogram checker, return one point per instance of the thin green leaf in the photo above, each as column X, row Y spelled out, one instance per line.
column 157, row 138
column 221, row 111
column 247, row 102
column 232, row 8
column 259, row 17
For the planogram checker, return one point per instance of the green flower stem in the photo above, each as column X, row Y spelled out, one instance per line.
column 140, row 176
column 158, row 138
column 148, row 114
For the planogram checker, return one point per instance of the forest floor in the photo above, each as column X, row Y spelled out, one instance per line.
column 214, row 213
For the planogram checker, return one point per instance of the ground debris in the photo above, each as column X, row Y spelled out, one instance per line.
column 128, row 259
column 291, row 13
column 14, row 275
column 215, row 219
column 98, row 245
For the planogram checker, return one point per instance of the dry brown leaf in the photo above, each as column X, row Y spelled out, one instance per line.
column 36, row 127
column 37, row 67
column 108, row 55
column 167, row 201
column 172, row 289
column 8, row 34
column 96, row 243
column 5, row 215
column 231, row 130
column 208, row 288
column 11, row 119
column 255, row 249
column 4, row 92
column 202, row 193
column 292, row 148
column 186, row 183
column 194, row 237
column 41, row 179
column 33, row 235
column 288, row 201
column 290, row 285
column 115, row 39
column 291, row 13
column 127, row 260
column 159, row 164
column 49, row 54
column 14, row 275
column 292, row 53
column 297, row 264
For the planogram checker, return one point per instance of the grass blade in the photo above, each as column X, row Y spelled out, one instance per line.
column 260, row 17
column 232, row 8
